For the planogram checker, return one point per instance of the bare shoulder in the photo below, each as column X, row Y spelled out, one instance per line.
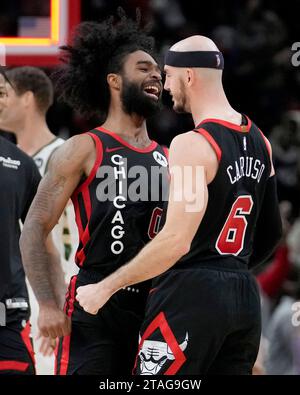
column 73, row 154
column 193, row 146
column 75, row 147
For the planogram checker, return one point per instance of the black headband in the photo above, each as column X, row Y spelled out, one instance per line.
column 207, row 59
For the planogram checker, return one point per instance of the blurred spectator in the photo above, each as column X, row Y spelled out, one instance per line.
column 283, row 335
column 280, row 289
column 271, row 278
column 293, row 241
column 285, row 140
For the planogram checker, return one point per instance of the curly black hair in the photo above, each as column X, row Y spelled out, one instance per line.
column 97, row 50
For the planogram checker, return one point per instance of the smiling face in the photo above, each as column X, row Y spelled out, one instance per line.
column 12, row 107
column 141, row 85
column 174, row 84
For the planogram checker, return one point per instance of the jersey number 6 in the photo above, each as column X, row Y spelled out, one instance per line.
column 231, row 238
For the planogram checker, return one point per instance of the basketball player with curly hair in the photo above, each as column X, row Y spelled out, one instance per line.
column 108, row 70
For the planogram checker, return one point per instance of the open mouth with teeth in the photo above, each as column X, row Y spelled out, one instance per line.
column 152, row 91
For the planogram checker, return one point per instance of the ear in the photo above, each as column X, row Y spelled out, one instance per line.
column 114, row 81
column 190, row 76
column 28, row 98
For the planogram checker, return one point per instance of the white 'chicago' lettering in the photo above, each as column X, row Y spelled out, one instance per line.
column 117, row 231
column 245, row 166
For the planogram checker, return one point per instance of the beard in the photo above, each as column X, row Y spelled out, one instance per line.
column 135, row 101
column 179, row 107
column 181, row 104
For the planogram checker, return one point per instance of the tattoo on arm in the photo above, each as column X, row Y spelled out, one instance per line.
column 66, row 167
column 37, row 260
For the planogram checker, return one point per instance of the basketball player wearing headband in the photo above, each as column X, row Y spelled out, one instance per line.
column 117, row 178
column 203, row 312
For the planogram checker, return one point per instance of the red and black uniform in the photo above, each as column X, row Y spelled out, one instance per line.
column 19, row 179
column 203, row 315
column 118, row 210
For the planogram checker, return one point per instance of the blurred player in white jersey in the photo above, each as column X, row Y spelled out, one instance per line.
column 24, row 114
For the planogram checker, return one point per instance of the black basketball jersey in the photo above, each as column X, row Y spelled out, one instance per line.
column 234, row 196
column 19, row 179
column 118, row 207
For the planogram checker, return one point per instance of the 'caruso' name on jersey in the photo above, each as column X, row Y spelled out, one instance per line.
column 245, row 166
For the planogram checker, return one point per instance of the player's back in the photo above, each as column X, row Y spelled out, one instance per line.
column 225, row 235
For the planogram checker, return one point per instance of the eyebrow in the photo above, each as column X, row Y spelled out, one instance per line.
column 148, row 63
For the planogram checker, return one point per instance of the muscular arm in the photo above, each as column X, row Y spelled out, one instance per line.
column 66, row 167
column 189, row 176
column 56, row 274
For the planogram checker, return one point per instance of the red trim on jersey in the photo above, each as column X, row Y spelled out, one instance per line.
column 161, row 323
column 150, row 147
column 77, row 215
column 25, row 334
column 56, row 350
column 64, row 363
column 80, row 255
column 97, row 164
column 238, row 128
column 268, row 145
column 211, row 141
column 87, row 203
column 72, row 296
column 84, row 234
column 85, row 237
column 14, row 365
column 166, row 151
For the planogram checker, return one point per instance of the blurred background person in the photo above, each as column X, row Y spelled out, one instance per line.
column 19, row 179
column 27, row 101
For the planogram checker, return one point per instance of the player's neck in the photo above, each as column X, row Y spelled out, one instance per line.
column 33, row 135
column 130, row 127
column 216, row 107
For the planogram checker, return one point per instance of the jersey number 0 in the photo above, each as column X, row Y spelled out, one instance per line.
column 154, row 222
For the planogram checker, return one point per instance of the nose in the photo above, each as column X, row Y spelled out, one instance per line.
column 156, row 74
column 166, row 85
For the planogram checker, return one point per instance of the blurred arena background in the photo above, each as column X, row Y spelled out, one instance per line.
column 256, row 37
